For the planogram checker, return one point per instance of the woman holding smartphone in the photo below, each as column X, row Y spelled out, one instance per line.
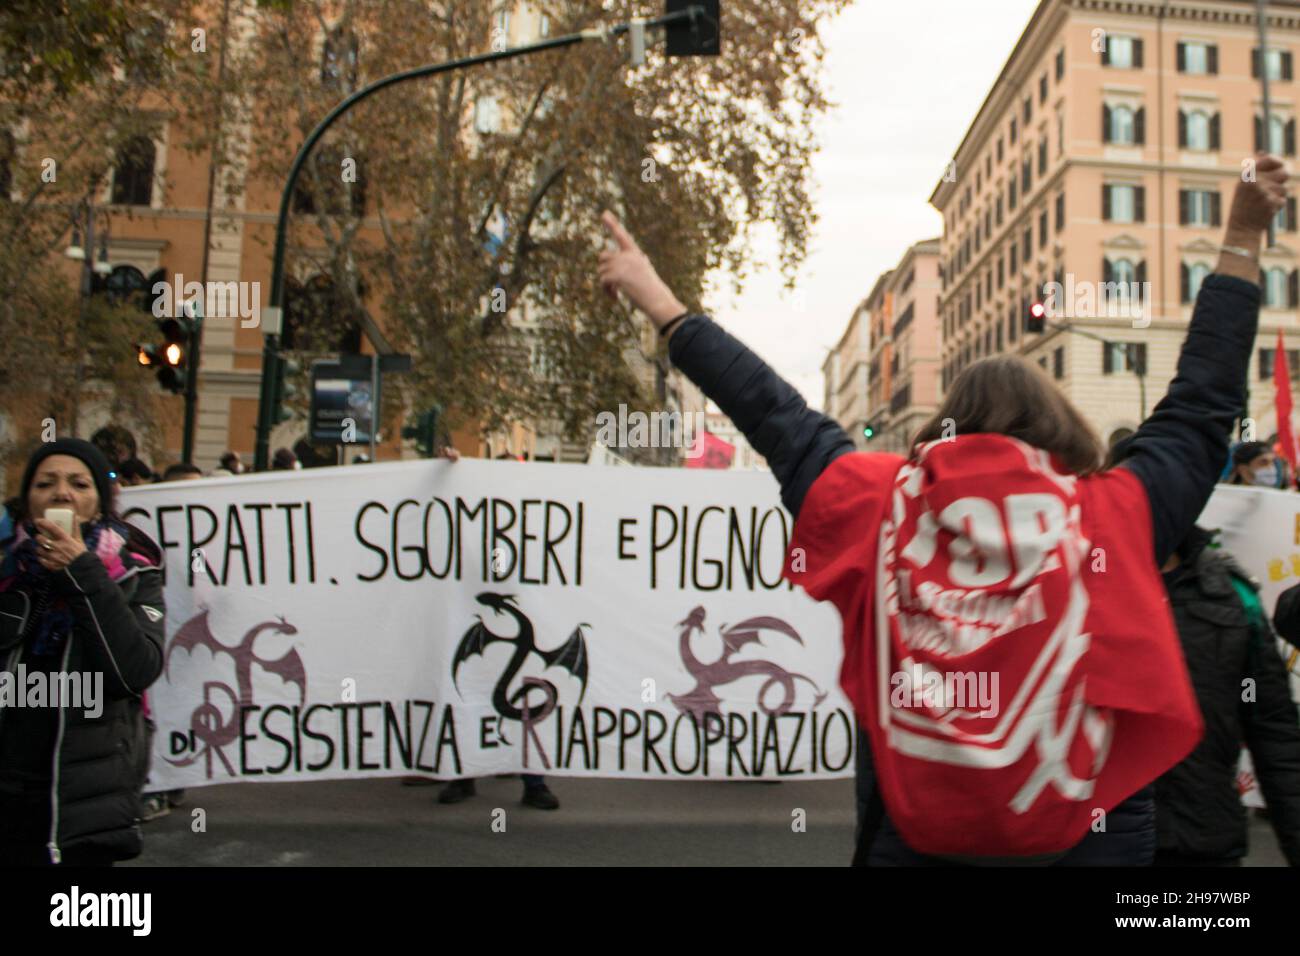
column 999, row 548
column 80, row 595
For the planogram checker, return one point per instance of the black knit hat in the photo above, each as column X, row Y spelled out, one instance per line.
column 89, row 455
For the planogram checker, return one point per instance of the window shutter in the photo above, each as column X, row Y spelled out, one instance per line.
column 1140, row 127
column 1107, row 271
column 1216, row 208
column 1286, row 66
column 1182, row 130
column 1290, row 214
column 1140, row 357
column 1105, row 52
column 1290, row 137
column 1142, row 272
column 1293, row 289
column 1215, row 132
column 1106, row 367
column 1182, row 58
column 1105, row 202
column 1212, row 59
column 1137, row 54
column 1184, row 201
column 1140, row 204
column 1185, row 283
column 1254, row 63
column 1105, row 123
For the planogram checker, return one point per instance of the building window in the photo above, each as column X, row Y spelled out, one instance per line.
column 1198, row 59
column 1268, row 357
column 997, row 218
column 1060, row 64
column 544, row 26
column 1123, row 53
column 133, row 173
column 1058, row 363
column 1280, row 288
column 1011, row 194
column 1121, row 127
column 1191, row 278
column 1060, row 134
column 1060, row 212
column 1026, row 176
column 1123, row 203
column 1029, row 110
column 1042, row 229
column 1013, row 131
column 1198, row 131
column 1123, row 357
column 1199, row 207
column 999, row 149
column 1278, row 63
column 1042, row 89
column 1028, row 245
column 1042, row 157
column 487, row 115
column 338, row 66
column 1123, row 271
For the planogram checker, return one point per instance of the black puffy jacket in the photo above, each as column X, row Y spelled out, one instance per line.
column 97, row 762
column 1199, row 814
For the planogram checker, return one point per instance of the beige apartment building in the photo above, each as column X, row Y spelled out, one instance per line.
column 883, row 375
column 845, row 377
column 913, row 340
column 1107, row 152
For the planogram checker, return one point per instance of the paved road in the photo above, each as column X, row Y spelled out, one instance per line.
column 600, row 822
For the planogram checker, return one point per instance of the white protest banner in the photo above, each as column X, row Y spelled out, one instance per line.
column 1260, row 527
column 459, row 619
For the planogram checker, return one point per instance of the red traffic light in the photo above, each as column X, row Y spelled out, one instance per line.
column 1037, row 318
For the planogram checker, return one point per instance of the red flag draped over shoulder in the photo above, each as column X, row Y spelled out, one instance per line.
column 1008, row 647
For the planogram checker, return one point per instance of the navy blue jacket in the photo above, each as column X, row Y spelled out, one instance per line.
column 1177, row 453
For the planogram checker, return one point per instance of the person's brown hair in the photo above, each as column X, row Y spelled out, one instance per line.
column 1006, row 395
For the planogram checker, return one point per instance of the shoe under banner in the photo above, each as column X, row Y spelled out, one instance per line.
column 462, row 619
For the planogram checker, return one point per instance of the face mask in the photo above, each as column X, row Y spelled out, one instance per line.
column 1266, row 477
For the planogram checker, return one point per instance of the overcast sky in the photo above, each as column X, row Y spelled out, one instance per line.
column 907, row 79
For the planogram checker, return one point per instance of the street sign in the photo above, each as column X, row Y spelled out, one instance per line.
column 342, row 402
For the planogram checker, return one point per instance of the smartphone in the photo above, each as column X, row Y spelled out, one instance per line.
column 61, row 517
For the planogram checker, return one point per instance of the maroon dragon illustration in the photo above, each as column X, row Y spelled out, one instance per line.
column 701, row 699
column 206, row 723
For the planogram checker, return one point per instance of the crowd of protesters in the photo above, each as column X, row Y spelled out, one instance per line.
column 1133, row 674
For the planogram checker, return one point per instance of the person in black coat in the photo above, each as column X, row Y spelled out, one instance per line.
column 1241, row 685
column 83, row 608
column 1177, row 454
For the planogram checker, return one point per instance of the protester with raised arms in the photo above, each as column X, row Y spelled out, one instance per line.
column 1000, row 546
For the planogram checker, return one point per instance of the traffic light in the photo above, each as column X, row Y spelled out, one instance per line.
column 285, row 390
column 171, row 356
column 1036, row 319
column 424, row 432
column 868, row 432
column 701, row 36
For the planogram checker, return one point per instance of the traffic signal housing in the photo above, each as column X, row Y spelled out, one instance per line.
column 424, row 432
column 285, row 390
column 701, row 36
column 1036, row 318
column 170, row 356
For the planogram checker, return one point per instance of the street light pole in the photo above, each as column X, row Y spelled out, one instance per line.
column 273, row 315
